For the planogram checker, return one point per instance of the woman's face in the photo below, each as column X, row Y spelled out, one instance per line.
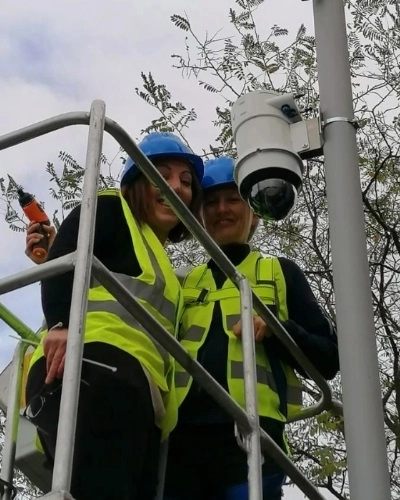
column 161, row 217
column 227, row 217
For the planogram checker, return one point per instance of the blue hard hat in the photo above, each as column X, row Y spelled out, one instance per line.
column 162, row 145
column 218, row 172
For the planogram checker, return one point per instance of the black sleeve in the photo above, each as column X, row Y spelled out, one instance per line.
column 312, row 331
column 57, row 291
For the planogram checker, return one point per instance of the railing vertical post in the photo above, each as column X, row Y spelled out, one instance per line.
column 251, row 396
column 12, row 419
column 62, row 472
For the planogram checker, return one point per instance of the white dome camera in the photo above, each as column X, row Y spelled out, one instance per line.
column 269, row 134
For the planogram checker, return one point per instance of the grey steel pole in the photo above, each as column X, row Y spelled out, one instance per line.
column 62, row 471
column 363, row 411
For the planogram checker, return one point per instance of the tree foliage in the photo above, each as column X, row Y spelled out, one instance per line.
column 248, row 55
column 252, row 57
column 65, row 188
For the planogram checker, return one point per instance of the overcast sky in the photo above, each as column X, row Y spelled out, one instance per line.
column 57, row 56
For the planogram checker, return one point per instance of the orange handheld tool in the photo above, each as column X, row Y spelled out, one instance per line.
column 34, row 212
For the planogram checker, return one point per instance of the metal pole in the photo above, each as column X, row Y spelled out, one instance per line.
column 43, row 127
column 62, row 471
column 12, row 419
column 363, row 410
column 42, row 272
column 162, row 470
column 251, row 396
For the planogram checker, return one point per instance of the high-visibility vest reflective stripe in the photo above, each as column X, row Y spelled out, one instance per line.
column 157, row 289
column 200, row 295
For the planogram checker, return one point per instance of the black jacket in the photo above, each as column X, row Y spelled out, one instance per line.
column 113, row 246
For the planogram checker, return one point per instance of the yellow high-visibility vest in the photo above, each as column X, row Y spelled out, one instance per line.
column 157, row 289
column 200, row 295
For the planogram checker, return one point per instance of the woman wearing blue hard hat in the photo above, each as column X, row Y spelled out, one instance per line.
column 205, row 460
column 125, row 411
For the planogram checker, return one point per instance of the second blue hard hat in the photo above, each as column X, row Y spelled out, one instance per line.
column 159, row 145
column 218, row 172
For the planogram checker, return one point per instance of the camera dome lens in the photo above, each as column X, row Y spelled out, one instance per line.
column 273, row 199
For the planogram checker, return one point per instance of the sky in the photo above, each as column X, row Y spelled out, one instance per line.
column 57, row 57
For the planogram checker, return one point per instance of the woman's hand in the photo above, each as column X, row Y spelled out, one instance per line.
column 260, row 329
column 54, row 346
column 33, row 237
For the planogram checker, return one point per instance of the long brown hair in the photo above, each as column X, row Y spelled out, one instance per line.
column 136, row 196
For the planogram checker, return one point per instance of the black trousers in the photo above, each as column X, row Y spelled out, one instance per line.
column 116, row 443
column 204, row 461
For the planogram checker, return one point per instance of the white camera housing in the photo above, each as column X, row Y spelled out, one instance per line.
column 269, row 133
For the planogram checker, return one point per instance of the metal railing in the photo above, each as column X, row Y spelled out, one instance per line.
column 85, row 263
